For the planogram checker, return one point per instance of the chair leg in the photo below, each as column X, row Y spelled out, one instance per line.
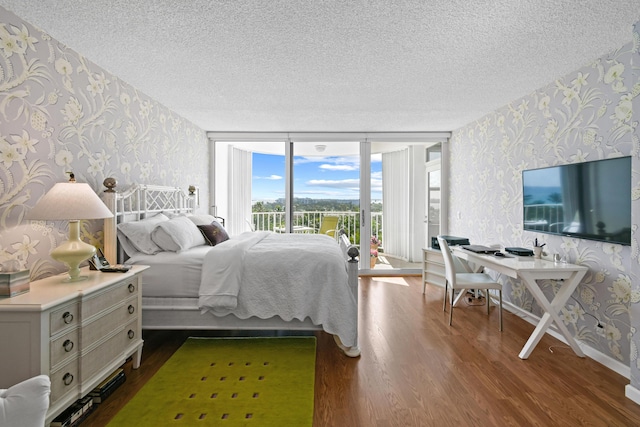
column 451, row 309
column 500, row 315
column 488, row 297
column 451, row 306
column 446, row 291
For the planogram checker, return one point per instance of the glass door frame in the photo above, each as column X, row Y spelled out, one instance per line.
column 411, row 138
column 432, row 166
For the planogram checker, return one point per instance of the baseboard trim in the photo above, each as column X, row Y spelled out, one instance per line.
column 632, row 393
column 589, row 351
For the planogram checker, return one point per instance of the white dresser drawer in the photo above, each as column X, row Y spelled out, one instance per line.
column 63, row 348
column 65, row 380
column 131, row 333
column 103, row 301
column 105, row 325
column 100, row 356
column 63, row 318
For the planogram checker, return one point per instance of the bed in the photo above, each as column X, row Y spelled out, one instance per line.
column 253, row 281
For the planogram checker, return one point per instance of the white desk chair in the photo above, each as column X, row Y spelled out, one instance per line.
column 25, row 404
column 465, row 281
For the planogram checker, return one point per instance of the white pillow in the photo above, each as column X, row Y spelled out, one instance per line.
column 26, row 403
column 126, row 244
column 202, row 219
column 177, row 234
column 139, row 233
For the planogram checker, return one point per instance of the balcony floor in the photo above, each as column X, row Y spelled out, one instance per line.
column 387, row 262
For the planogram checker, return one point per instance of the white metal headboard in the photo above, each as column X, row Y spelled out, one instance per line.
column 138, row 202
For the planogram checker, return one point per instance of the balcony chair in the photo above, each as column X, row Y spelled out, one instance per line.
column 465, row 281
column 329, row 226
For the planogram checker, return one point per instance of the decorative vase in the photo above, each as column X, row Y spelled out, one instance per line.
column 373, row 259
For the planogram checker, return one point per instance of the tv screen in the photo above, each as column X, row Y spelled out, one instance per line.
column 590, row 200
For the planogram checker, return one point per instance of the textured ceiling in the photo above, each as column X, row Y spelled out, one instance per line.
column 335, row 65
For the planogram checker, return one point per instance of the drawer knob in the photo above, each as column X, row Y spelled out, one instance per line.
column 67, row 379
column 132, row 288
column 131, row 334
column 68, row 345
column 67, row 317
column 131, row 309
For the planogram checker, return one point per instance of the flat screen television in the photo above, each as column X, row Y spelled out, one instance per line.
column 589, row 200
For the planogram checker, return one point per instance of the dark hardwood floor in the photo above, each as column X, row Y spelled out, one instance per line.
column 416, row 370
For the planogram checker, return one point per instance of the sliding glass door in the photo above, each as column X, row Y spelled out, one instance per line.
column 397, row 210
column 433, row 210
column 326, row 187
column 373, row 185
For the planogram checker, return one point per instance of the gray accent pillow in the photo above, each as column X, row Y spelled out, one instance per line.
column 214, row 233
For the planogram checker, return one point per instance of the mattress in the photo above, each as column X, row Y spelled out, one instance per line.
column 172, row 274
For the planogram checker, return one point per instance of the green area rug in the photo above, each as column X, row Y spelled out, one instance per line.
column 229, row 382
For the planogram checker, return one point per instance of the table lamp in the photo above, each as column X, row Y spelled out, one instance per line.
column 73, row 202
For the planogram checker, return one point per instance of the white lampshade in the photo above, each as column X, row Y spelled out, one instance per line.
column 68, row 201
column 71, row 201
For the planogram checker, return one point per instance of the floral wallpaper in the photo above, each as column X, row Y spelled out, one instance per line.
column 635, row 286
column 59, row 112
column 584, row 116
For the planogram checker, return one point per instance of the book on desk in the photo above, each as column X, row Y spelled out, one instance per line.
column 519, row 251
column 480, row 249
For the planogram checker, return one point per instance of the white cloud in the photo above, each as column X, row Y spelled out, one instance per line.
column 376, row 185
column 346, row 184
column 334, row 167
column 342, row 183
column 342, row 194
column 270, row 177
column 300, row 160
column 344, row 163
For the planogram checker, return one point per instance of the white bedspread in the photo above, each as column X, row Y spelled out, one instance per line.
column 293, row 276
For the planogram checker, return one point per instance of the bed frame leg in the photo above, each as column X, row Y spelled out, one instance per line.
column 352, row 270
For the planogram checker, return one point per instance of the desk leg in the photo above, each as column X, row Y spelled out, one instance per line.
column 461, row 294
column 552, row 310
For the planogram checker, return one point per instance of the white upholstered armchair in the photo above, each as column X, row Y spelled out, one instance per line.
column 25, row 404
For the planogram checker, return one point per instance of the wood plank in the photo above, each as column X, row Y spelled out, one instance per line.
column 416, row 370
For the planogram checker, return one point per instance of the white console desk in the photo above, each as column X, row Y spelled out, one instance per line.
column 529, row 269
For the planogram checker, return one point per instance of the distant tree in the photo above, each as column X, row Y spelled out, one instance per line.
column 555, row 197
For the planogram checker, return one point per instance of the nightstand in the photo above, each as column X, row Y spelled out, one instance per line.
column 77, row 333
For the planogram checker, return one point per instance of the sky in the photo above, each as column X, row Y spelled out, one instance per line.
column 544, row 177
column 314, row 177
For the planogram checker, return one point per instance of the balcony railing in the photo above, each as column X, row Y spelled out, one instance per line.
column 544, row 217
column 309, row 221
